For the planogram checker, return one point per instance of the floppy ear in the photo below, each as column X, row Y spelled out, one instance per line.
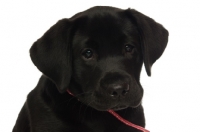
column 51, row 54
column 153, row 37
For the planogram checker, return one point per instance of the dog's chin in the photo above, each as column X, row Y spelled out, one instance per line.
column 110, row 107
column 117, row 108
column 122, row 107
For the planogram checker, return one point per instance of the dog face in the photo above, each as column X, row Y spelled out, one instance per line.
column 107, row 61
column 98, row 55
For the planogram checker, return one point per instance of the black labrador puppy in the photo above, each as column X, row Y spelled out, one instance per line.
column 96, row 56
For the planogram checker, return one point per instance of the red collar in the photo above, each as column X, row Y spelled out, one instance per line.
column 126, row 122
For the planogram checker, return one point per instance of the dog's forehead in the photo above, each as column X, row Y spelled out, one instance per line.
column 103, row 22
column 104, row 29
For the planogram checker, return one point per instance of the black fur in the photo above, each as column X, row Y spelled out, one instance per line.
column 97, row 55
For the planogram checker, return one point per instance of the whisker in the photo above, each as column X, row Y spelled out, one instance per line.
column 68, row 101
column 84, row 113
column 77, row 95
column 65, row 101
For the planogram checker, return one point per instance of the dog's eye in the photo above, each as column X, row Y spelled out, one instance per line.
column 87, row 53
column 129, row 48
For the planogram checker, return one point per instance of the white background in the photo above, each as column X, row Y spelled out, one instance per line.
column 172, row 95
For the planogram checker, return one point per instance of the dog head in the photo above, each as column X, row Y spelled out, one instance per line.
column 98, row 54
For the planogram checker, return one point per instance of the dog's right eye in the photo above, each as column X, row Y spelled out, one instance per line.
column 87, row 53
column 129, row 48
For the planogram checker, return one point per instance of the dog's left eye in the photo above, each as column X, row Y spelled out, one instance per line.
column 87, row 53
column 129, row 48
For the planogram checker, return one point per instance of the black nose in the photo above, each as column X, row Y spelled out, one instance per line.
column 117, row 90
column 115, row 84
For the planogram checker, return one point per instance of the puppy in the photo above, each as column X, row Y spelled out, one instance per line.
column 96, row 56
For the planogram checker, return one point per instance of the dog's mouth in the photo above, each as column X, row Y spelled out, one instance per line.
column 116, row 107
column 103, row 103
column 120, row 107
